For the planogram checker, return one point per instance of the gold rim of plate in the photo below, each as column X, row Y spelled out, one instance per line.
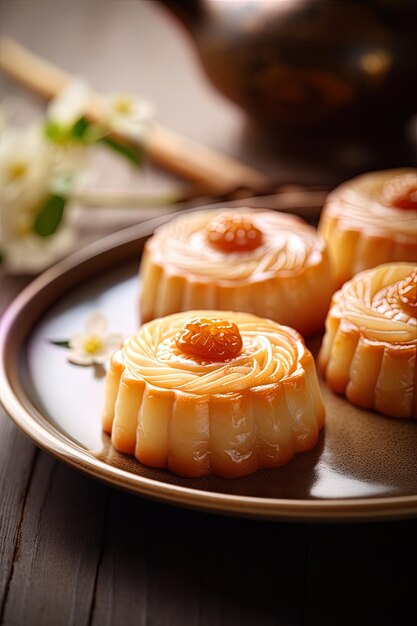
column 19, row 320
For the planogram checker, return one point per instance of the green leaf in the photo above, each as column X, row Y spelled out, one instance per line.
column 80, row 128
column 54, row 131
column 131, row 154
column 61, row 134
column 60, row 343
column 50, row 215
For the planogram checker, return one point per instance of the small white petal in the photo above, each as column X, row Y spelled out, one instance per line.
column 76, row 342
column 96, row 324
column 128, row 106
column 80, row 359
column 127, row 115
column 70, row 104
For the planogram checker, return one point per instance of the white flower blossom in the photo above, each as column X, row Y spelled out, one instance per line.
column 25, row 164
column 24, row 177
column 64, row 111
column 28, row 168
column 31, row 168
column 71, row 104
column 94, row 345
column 42, row 162
column 127, row 115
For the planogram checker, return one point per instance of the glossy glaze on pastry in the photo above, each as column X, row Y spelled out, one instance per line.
column 261, row 262
column 212, row 392
column 371, row 219
column 369, row 348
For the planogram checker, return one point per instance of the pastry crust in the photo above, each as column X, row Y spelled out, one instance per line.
column 369, row 348
column 287, row 278
column 229, row 418
column 361, row 231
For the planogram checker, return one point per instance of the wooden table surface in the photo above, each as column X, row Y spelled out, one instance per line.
column 74, row 551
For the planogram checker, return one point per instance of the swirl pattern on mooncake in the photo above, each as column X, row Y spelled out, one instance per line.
column 369, row 349
column 199, row 416
column 280, row 268
column 367, row 221
column 288, row 244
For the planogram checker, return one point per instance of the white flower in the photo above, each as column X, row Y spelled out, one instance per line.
column 28, row 171
column 24, row 179
column 63, row 112
column 70, row 104
column 25, row 163
column 94, row 345
column 127, row 115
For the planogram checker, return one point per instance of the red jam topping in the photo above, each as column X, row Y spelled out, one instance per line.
column 233, row 233
column 401, row 192
column 209, row 339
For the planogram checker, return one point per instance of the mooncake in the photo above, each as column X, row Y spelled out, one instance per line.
column 369, row 347
column 370, row 220
column 258, row 261
column 213, row 392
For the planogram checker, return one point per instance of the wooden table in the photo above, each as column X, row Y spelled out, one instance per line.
column 74, row 551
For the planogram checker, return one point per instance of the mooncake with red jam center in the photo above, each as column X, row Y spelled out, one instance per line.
column 369, row 348
column 258, row 261
column 370, row 220
column 213, row 392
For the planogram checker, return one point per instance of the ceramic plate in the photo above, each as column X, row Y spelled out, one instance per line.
column 364, row 466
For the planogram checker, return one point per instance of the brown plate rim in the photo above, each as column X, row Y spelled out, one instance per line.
column 18, row 321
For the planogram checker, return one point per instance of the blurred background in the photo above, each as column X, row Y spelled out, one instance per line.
column 304, row 92
column 341, row 71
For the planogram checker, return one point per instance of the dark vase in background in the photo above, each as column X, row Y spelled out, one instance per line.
column 328, row 67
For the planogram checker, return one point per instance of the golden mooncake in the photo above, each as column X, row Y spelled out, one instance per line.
column 258, row 261
column 369, row 348
column 212, row 392
column 370, row 220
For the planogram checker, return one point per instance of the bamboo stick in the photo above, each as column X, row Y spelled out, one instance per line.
column 217, row 172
